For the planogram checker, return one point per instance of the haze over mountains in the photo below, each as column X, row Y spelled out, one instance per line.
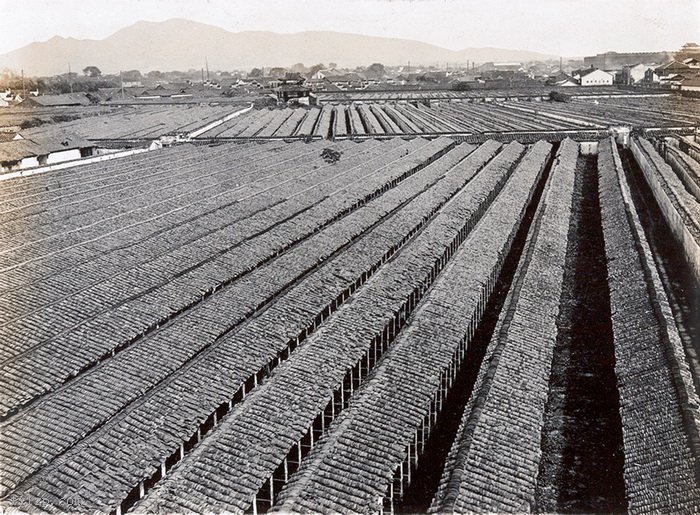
column 181, row 44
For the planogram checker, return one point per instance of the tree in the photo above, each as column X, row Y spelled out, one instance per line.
column 315, row 68
column 376, row 70
column 131, row 75
column 461, row 86
column 91, row 71
column 277, row 72
column 332, row 66
column 555, row 96
column 298, row 68
column 255, row 72
column 155, row 74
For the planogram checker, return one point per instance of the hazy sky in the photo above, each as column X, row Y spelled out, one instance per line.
column 560, row 27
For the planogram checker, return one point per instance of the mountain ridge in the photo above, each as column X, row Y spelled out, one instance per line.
column 179, row 44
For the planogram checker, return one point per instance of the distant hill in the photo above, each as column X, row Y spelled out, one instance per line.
column 181, row 44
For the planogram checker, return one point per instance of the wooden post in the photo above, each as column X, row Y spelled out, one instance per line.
column 415, row 445
column 408, row 465
column 286, row 470
column 391, row 495
column 272, row 491
column 162, row 470
column 142, row 491
column 182, row 450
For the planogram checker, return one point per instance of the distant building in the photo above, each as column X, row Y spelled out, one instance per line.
column 565, row 81
column 636, row 74
column 690, row 85
column 616, row 61
column 689, row 50
column 651, row 77
column 346, row 81
column 65, row 100
column 673, row 67
column 510, row 66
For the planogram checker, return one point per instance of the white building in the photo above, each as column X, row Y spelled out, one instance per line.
column 596, row 78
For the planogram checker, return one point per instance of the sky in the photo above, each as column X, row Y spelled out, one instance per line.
column 559, row 27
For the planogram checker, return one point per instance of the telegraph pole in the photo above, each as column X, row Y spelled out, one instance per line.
column 24, row 90
column 206, row 63
column 121, row 80
column 70, row 79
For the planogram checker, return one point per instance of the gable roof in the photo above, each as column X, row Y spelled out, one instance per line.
column 66, row 99
column 585, row 73
column 40, row 141
column 16, row 150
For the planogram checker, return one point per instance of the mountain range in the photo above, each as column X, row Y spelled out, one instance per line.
column 179, row 44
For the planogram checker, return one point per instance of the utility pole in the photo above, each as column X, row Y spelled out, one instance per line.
column 202, row 75
column 70, row 79
column 24, row 90
column 121, row 80
column 206, row 63
column 560, row 61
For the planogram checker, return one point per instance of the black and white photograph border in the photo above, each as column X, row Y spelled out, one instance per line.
column 349, row 257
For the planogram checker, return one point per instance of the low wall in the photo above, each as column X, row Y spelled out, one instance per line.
column 678, row 220
column 70, row 164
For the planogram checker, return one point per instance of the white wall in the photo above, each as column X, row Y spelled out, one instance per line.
column 63, row 155
column 597, row 78
column 29, row 162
